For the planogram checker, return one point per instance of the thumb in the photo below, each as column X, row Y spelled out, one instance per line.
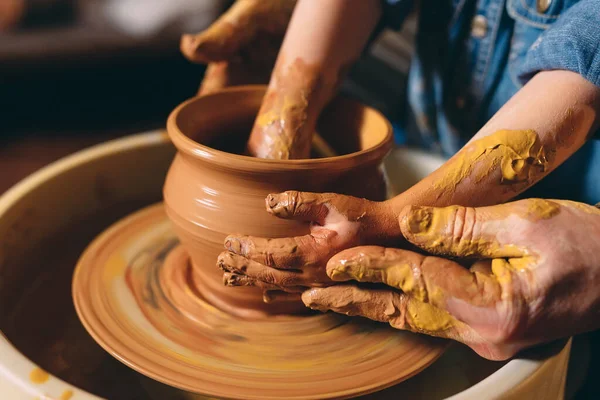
column 463, row 231
column 225, row 37
column 302, row 206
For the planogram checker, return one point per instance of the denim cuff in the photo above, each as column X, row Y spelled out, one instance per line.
column 572, row 43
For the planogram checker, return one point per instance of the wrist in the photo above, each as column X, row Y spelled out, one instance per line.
column 381, row 225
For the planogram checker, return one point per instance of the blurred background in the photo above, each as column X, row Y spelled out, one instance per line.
column 74, row 73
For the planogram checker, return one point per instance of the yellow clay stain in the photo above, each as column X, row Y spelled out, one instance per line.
column 399, row 276
column 114, row 267
column 542, row 209
column 428, row 226
column 281, row 129
column 66, row 395
column 423, row 317
column 38, row 376
column 519, row 154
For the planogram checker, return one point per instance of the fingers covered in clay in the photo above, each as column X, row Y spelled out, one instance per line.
column 490, row 297
column 302, row 206
column 428, row 279
column 345, row 215
column 253, row 270
column 385, row 305
column 403, row 312
column 237, row 27
column 465, row 231
column 282, row 253
column 236, row 279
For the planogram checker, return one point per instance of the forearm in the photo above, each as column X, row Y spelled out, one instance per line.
column 549, row 119
column 323, row 39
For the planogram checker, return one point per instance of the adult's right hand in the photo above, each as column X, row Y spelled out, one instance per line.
column 242, row 45
column 537, row 277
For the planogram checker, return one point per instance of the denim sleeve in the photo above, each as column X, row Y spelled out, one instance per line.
column 572, row 43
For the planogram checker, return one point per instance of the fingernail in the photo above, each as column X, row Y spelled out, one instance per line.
column 234, row 245
column 419, row 219
column 272, row 200
column 310, row 298
column 222, row 262
column 280, row 204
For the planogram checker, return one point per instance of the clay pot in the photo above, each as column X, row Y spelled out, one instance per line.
column 211, row 192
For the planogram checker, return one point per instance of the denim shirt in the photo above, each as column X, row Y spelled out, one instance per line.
column 472, row 56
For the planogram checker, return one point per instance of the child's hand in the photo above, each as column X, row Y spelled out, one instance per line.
column 537, row 278
column 242, row 45
column 297, row 263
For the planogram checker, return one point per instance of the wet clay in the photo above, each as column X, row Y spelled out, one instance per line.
column 66, row 395
column 426, row 225
column 384, row 305
column 282, row 129
column 133, row 290
column 519, row 155
column 285, row 124
column 38, row 376
column 542, row 209
column 229, row 190
column 397, row 269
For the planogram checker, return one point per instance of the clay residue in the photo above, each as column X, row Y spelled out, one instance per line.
column 519, row 155
column 430, row 228
column 38, row 376
column 379, row 265
column 425, row 318
column 542, row 209
column 376, row 220
column 384, row 305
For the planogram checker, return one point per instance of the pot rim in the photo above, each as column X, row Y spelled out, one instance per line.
column 227, row 160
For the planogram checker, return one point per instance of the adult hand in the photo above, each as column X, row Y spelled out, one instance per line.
column 294, row 264
column 242, row 45
column 536, row 280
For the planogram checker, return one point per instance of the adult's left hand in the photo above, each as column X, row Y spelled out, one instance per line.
column 536, row 278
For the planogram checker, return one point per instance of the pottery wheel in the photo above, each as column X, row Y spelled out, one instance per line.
column 171, row 334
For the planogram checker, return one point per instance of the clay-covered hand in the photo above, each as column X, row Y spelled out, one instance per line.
column 296, row 263
column 536, row 277
column 242, row 45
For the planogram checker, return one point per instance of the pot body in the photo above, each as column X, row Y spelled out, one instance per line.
column 210, row 194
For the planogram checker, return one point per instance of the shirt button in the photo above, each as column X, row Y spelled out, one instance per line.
column 543, row 5
column 479, row 26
